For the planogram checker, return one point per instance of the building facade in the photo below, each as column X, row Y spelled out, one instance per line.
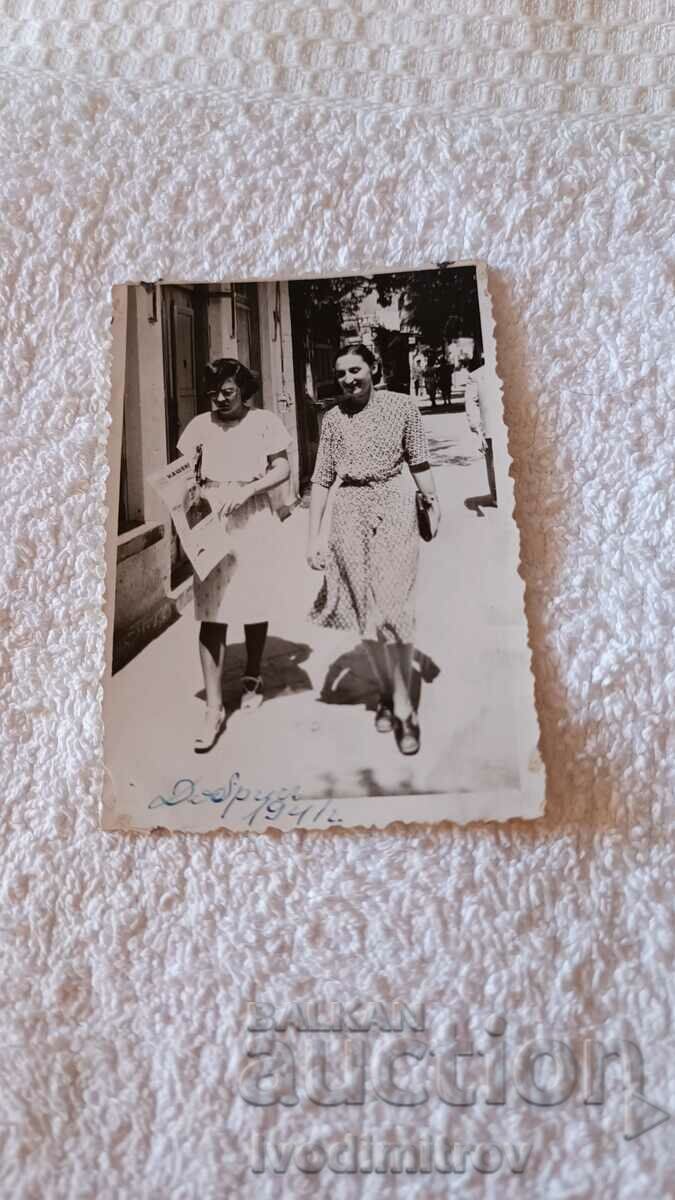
column 172, row 331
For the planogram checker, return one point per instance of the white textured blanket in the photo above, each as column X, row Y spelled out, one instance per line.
column 227, row 138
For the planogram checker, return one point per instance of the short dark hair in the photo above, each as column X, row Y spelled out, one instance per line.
column 216, row 372
column 366, row 354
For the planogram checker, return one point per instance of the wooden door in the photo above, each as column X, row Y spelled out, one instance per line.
column 248, row 331
column 180, row 363
column 183, row 332
column 185, row 346
column 314, row 379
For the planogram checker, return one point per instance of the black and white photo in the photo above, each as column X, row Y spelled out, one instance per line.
column 315, row 613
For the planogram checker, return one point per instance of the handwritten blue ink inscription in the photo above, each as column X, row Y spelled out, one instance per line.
column 265, row 807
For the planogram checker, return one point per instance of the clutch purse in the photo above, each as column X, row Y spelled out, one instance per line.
column 423, row 521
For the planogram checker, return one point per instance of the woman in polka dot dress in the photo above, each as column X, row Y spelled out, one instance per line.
column 239, row 453
column 370, row 552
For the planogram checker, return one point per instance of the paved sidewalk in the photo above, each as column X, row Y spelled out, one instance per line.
column 314, row 730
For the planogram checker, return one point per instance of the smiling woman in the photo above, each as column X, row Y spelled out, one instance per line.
column 370, row 551
column 238, row 454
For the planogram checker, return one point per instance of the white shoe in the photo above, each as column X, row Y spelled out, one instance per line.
column 214, row 719
column 252, row 693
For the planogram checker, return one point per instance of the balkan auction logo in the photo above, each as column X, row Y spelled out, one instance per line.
column 460, row 1070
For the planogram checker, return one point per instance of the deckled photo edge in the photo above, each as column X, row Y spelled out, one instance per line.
column 531, row 777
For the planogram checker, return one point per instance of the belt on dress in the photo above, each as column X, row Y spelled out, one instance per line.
column 347, row 481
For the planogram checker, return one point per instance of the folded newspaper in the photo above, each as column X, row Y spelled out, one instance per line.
column 201, row 532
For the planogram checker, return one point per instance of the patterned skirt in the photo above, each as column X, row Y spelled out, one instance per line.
column 371, row 572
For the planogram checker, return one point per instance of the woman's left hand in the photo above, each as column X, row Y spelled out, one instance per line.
column 434, row 515
column 236, row 494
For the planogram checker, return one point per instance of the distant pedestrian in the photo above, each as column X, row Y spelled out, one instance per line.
column 370, row 552
column 418, row 365
column 448, row 369
column 431, row 378
column 479, row 404
column 445, row 379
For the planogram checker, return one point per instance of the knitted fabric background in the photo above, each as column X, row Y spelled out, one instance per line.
column 226, row 138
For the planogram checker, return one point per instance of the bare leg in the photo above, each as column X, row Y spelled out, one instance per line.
column 490, row 465
column 384, row 716
column 252, row 688
column 256, row 636
column 212, row 643
column 406, row 726
column 400, row 666
column 379, row 666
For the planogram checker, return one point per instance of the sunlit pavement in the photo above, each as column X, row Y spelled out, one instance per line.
column 314, row 730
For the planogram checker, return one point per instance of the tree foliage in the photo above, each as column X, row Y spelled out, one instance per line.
column 434, row 305
column 327, row 304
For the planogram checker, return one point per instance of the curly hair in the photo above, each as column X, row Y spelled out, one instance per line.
column 216, row 372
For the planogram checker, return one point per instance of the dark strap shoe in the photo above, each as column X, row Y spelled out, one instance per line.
column 384, row 717
column 407, row 734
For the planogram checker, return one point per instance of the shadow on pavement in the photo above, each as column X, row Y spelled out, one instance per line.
column 350, row 680
column 476, row 504
column 332, row 787
column 281, row 669
column 445, row 450
column 437, row 410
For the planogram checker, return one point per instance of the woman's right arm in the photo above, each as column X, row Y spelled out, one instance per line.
column 316, row 548
column 323, row 478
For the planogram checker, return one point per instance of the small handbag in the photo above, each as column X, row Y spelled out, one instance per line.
column 423, row 520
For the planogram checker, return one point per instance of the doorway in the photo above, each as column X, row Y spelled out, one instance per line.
column 247, row 329
column 186, row 350
column 185, row 340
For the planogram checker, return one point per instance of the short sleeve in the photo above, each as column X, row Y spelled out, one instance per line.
column 415, row 448
column 324, row 467
column 277, row 438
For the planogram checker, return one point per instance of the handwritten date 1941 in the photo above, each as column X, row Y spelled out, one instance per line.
column 285, row 805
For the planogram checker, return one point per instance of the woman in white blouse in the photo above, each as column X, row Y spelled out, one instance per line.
column 239, row 453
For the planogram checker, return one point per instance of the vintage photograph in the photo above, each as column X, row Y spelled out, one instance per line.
column 315, row 616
